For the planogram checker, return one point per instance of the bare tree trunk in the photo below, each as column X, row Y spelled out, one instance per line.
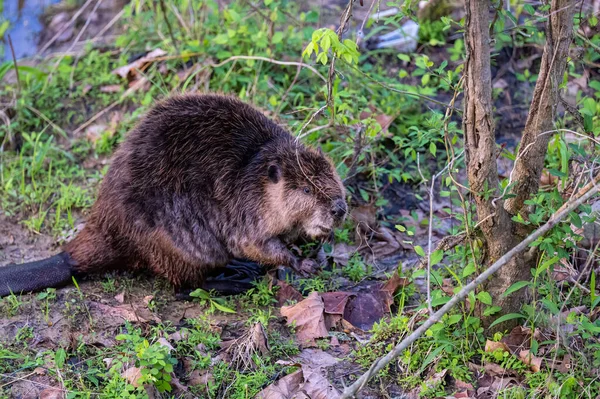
column 500, row 233
column 534, row 144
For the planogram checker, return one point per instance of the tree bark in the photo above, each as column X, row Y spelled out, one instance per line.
column 542, row 113
column 480, row 144
column 500, row 233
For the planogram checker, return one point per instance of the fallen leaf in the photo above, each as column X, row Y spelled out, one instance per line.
column 120, row 297
column 147, row 299
column 315, row 359
column 163, row 342
column 132, row 375
column 317, row 386
column 518, row 339
column 534, row 362
column 200, row 377
column 334, row 341
column 52, row 393
column 178, row 336
column 285, row 387
column 111, row 89
column 130, row 71
column 342, row 253
column 307, row 315
column 335, row 302
column 394, row 283
column 435, row 380
column 287, row 292
column 363, row 310
column 492, row 346
column 129, row 312
column 94, row 132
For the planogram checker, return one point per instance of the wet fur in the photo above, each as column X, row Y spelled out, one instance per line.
column 201, row 180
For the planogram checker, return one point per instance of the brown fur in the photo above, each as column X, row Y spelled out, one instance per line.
column 201, row 180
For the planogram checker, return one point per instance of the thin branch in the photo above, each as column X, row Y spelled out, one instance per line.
column 14, row 57
column 591, row 189
column 65, row 27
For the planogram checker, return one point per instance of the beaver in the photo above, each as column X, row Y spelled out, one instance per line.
column 203, row 179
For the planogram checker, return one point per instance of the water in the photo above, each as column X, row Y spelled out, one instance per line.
column 25, row 25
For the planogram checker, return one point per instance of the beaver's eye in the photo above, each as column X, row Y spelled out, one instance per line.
column 306, row 190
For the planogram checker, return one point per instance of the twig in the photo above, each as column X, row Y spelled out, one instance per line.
column 14, row 57
column 65, row 27
column 408, row 93
column 164, row 11
column 360, row 34
column 383, row 361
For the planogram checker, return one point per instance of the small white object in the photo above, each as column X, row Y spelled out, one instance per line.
column 403, row 39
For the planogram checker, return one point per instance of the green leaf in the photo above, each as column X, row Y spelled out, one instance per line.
column 59, row 358
column 455, row 318
column 490, row 310
column 529, row 8
column 515, row 287
column 425, row 79
column 223, row 308
column 440, row 301
column 432, row 355
column 507, row 317
column 200, row 293
column 484, row 297
column 308, row 50
column 546, row 265
column 404, row 57
column 552, row 307
column 469, row 269
column 593, row 288
column 436, row 257
column 419, row 250
column 277, row 37
column 432, row 148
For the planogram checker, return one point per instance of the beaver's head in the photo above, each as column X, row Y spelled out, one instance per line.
column 305, row 191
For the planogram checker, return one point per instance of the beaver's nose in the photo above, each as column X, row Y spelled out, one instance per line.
column 339, row 208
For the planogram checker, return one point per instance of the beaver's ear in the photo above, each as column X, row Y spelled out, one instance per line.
column 274, row 173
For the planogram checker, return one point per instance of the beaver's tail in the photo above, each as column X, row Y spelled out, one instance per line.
column 52, row 272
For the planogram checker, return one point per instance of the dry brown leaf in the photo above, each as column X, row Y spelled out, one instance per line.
column 129, row 312
column 285, row 387
column 286, row 292
column 308, row 317
column 111, row 89
column 130, row 71
column 518, row 339
column 342, row 253
column 163, row 342
column 365, row 308
column 132, row 375
column 317, row 386
column 436, row 379
column 94, row 132
column 335, row 302
column 52, row 393
column 120, row 297
column 394, row 283
column 534, row 362
column 200, row 377
column 492, row 346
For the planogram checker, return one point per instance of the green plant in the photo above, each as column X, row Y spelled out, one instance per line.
column 46, row 297
column 205, row 298
column 356, row 269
